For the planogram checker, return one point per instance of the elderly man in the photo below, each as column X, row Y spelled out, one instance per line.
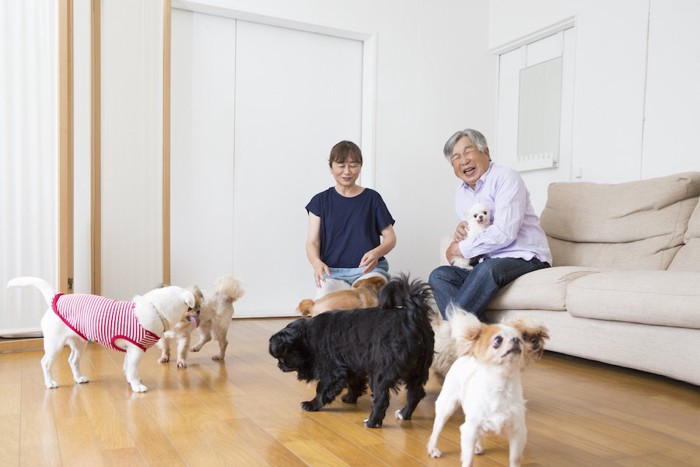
column 514, row 243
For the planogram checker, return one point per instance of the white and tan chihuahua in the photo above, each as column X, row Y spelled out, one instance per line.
column 486, row 382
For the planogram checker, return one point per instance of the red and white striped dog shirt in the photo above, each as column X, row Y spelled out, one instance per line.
column 102, row 320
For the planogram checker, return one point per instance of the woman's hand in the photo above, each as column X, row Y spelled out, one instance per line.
column 461, row 231
column 369, row 261
column 320, row 273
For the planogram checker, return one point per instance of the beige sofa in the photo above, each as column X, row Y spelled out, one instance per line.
column 625, row 284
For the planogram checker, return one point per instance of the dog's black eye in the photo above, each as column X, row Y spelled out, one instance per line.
column 484, row 213
column 497, row 341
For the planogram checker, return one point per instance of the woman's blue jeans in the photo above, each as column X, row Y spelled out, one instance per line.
column 473, row 290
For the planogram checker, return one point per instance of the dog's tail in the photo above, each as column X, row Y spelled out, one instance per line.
column 44, row 287
column 401, row 292
column 305, row 306
column 229, row 286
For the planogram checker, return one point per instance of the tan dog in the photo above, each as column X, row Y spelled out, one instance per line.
column 215, row 314
column 180, row 333
column 362, row 295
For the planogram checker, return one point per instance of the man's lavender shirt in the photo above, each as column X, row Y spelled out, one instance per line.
column 515, row 230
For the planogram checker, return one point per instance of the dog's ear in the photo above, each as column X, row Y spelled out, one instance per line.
column 197, row 293
column 283, row 340
column 466, row 329
column 373, row 283
column 529, row 326
column 376, row 283
column 188, row 298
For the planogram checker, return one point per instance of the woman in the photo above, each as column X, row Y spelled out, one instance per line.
column 350, row 227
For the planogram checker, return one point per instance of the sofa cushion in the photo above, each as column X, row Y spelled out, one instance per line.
column 633, row 225
column 665, row 298
column 688, row 256
column 544, row 289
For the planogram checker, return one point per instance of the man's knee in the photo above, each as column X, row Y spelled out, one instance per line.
column 438, row 275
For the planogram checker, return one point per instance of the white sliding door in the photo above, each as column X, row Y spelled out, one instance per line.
column 132, row 208
column 255, row 111
column 298, row 94
column 203, row 80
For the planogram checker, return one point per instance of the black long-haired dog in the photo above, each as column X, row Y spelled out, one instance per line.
column 385, row 346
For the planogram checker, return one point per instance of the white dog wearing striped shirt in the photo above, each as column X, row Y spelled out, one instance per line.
column 131, row 327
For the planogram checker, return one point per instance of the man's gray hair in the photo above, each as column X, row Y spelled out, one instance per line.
column 474, row 136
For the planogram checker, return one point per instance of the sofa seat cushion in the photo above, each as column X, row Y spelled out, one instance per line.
column 664, row 298
column 544, row 289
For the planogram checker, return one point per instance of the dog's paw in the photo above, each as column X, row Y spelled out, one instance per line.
column 370, row 424
column 196, row 348
column 309, row 406
column 433, row 451
column 398, row 415
column 138, row 387
column 51, row 385
column 218, row 358
column 82, row 380
column 181, row 364
column 164, row 359
column 462, row 263
column 478, row 449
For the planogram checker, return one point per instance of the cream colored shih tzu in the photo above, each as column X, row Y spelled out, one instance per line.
column 485, row 381
column 478, row 219
column 215, row 314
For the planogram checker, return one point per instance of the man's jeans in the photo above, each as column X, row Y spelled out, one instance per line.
column 473, row 290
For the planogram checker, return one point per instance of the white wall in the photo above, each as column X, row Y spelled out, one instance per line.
column 672, row 107
column 132, row 151
column 434, row 76
column 635, row 99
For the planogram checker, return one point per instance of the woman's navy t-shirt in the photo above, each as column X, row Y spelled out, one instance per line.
column 350, row 227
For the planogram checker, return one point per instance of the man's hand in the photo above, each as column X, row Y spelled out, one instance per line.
column 453, row 252
column 461, row 231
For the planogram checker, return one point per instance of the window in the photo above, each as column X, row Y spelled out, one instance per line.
column 535, row 99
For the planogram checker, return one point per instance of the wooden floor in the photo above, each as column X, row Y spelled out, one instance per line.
column 245, row 412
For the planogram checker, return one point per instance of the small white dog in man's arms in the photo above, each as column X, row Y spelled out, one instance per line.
column 486, row 383
column 131, row 327
column 478, row 219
